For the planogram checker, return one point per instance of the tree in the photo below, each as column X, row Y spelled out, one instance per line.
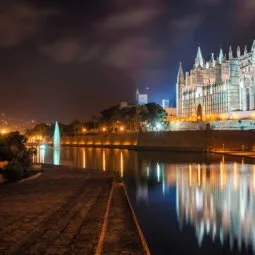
column 39, row 129
column 14, row 150
column 153, row 114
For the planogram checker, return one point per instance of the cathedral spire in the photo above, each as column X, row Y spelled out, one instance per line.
column 213, row 60
column 180, row 71
column 199, row 59
column 221, row 56
column 238, row 52
column 230, row 53
column 245, row 50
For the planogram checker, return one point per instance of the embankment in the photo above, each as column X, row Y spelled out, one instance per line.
column 199, row 140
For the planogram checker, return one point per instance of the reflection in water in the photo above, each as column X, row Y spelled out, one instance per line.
column 217, row 207
column 158, row 172
column 217, row 200
column 56, row 157
column 214, row 201
column 84, row 158
column 121, row 165
column 40, row 155
column 104, row 160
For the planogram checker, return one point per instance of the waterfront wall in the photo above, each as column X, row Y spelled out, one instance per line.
column 111, row 140
column 199, row 140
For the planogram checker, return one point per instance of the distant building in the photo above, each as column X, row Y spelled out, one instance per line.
column 171, row 113
column 123, row 104
column 165, row 103
column 222, row 87
column 141, row 98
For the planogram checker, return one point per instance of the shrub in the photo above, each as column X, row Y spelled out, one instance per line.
column 19, row 166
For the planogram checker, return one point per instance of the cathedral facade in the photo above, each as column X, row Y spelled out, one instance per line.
column 223, row 87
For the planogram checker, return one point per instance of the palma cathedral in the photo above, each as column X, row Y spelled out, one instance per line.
column 221, row 86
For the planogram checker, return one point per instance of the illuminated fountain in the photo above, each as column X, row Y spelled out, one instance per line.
column 56, row 145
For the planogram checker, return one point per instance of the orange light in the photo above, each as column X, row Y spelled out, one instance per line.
column 104, row 129
column 84, row 130
column 121, row 128
column 3, row 131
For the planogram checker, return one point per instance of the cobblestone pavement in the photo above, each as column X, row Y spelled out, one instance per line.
column 121, row 235
column 61, row 212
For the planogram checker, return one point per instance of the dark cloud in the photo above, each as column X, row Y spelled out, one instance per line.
column 64, row 51
column 19, row 21
column 185, row 27
column 129, row 19
column 246, row 12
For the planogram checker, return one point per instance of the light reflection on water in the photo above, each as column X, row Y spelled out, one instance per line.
column 186, row 203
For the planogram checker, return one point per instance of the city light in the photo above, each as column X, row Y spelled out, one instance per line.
column 158, row 126
column 3, row 131
column 43, row 146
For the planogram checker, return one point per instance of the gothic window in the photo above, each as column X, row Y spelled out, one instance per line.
column 247, row 99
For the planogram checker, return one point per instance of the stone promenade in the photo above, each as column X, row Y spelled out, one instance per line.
column 61, row 212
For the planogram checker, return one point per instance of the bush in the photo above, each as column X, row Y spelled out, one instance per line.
column 13, row 172
column 19, row 166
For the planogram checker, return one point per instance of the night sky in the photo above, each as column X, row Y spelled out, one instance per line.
column 69, row 59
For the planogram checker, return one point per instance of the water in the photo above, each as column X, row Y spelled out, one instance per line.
column 185, row 203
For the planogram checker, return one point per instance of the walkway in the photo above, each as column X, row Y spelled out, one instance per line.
column 61, row 212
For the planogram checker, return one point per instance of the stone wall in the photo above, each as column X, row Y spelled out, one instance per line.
column 197, row 140
column 116, row 140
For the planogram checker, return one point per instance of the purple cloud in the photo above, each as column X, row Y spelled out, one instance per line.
column 20, row 21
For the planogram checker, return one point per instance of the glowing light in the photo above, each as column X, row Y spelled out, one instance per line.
column 84, row 130
column 104, row 129
column 221, row 175
column 104, row 160
column 158, row 126
column 84, row 158
column 3, row 131
column 42, row 153
column 199, row 174
column 158, row 172
column 121, row 165
column 43, row 146
column 235, row 176
column 122, row 128
column 190, row 175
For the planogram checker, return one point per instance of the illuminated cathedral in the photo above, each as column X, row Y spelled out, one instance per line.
column 221, row 87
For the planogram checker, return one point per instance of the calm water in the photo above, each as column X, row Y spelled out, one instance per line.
column 185, row 203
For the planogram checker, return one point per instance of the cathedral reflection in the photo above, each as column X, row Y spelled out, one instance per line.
column 217, row 202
